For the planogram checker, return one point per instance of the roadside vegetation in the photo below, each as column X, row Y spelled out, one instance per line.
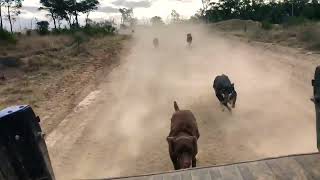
column 51, row 69
column 52, row 73
column 290, row 23
column 274, row 12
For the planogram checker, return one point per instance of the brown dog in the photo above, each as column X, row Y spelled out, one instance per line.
column 183, row 139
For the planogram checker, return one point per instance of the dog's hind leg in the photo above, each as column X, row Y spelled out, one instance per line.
column 194, row 162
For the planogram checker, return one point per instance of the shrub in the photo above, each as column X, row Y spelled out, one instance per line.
column 309, row 34
column 43, row 27
column 294, row 21
column 7, row 36
column 28, row 32
column 79, row 38
column 266, row 25
column 95, row 28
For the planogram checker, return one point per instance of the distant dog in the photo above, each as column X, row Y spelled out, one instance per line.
column 156, row 42
column 225, row 91
column 189, row 39
column 182, row 139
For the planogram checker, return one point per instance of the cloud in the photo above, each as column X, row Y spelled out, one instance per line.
column 108, row 9
column 133, row 4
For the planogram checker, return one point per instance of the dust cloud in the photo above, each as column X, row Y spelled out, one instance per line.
column 130, row 120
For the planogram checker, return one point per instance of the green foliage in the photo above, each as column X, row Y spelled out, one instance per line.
column 276, row 12
column 294, row 21
column 13, row 10
column 175, row 16
column 7, row 37
column 92, row 29
column 95, row 30
column 156, row 20
column 43, row 27
column 127, row 16
column 266, row 25
column 68, row 10
column 99, row 28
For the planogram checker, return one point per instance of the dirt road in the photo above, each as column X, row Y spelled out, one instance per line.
column 121, row 128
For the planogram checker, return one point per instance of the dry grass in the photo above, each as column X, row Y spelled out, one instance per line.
column 305, row 36
column 34, row 43
column 50, row 81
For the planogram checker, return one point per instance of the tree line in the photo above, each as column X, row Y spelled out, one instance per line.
column 58, row 10
column 212, row 11
column 62, row 10
column 275, row 12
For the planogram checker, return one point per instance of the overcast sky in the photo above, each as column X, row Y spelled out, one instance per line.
column 109, row 9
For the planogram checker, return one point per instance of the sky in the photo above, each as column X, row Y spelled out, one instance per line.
column 108, row 9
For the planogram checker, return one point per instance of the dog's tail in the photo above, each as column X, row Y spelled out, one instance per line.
column 176, row 107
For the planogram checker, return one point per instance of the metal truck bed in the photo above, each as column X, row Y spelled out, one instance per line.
column 302, row 167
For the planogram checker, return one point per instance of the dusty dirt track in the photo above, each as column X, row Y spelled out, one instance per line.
column 121, row 128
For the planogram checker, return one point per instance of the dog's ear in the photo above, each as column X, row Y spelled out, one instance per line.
column 176, row 107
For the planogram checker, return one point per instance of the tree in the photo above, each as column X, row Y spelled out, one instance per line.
column 126, row 15
column 175, row 16
column 205, row 5
column 1, row 23
column 156, row 20
column 88, row 6
column 53, row 7
column 43, row 27
column 68, row 10
column 13, row 10
column 56, row 9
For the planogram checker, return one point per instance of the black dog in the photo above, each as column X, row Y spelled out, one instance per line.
column 156, row 42
column 225, row 91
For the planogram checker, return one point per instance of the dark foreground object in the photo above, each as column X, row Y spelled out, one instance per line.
column 189, row 39
column 23, row 152
column 182, row 139
column 225, row 91
column 302, row 167
column 316, row 100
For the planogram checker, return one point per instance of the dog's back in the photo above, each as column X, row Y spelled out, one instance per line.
column 183, row 121
column 221, row 82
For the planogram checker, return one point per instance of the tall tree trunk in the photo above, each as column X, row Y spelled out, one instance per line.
column 54, row 20
column 1, row 24
column 87, row 18
column 76, row 16
column 69, row 21
column 9, row 18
